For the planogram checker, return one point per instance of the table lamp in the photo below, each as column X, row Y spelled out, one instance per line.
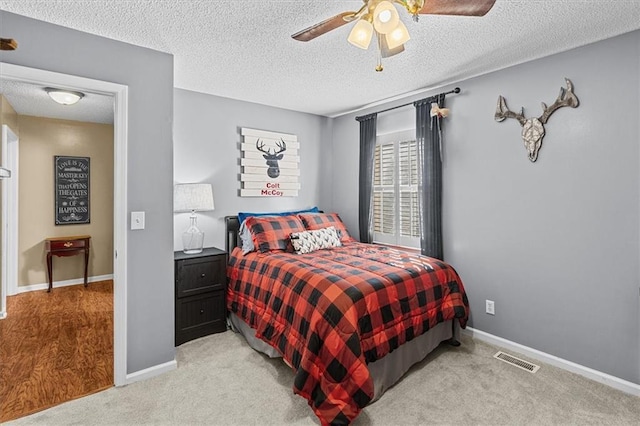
column 192, row 197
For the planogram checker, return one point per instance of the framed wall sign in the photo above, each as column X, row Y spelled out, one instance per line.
column 270, row 164
column 72, row 190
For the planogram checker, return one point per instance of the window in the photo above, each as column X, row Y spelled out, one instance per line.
column 395, row 190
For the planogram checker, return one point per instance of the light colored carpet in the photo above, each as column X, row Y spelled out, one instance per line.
column 220, row 380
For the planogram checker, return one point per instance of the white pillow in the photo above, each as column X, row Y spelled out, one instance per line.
column 309, row 241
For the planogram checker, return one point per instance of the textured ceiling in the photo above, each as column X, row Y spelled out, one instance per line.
column 244, row 49
column 30, row 99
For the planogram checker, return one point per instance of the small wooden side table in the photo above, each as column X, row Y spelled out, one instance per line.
column 67, row 246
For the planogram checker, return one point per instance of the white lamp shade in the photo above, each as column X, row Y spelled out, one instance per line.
column 188, row 197
column 385, row 17
column 360, row 35
column 397, row 37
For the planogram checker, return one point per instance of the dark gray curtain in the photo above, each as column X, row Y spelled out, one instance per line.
column 428, row 141
column 368, row 125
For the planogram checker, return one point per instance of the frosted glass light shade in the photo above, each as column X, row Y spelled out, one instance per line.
column 397, row 37
column 360, row 35
column 385, row 17
column 64, row 97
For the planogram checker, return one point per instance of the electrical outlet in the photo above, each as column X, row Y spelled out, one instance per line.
column 491, row 307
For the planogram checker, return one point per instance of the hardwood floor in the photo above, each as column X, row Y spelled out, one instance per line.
column 55, row 347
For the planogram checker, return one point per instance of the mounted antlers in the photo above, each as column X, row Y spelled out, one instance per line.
column 532, row 128
column 565, row 98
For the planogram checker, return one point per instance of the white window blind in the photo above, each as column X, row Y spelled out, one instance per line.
column 395, row 191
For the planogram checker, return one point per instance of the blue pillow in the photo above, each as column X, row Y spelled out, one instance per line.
column 243, row 215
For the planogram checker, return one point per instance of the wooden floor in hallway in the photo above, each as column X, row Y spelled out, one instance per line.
column 55, row 347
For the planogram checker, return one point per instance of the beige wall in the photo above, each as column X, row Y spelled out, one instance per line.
column 8, row 115
column 40, row 140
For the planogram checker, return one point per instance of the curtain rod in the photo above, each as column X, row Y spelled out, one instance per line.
column 456, row 90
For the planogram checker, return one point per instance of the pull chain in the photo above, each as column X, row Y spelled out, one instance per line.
column 379, row 67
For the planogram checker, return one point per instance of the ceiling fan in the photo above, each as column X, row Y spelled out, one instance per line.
column 381, row 18
column 8, row 44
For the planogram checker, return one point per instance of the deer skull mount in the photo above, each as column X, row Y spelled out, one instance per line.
column 533, row 128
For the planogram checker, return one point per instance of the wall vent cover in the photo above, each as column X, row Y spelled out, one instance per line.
column 520, row 363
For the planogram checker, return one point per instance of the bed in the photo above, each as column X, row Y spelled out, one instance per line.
column 350, row 320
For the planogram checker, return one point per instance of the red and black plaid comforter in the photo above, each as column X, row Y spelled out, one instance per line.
column 331, row 312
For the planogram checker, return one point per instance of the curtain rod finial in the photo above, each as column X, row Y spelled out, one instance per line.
column 456, row 90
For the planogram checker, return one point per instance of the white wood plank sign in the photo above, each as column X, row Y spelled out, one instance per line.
column 270, row 164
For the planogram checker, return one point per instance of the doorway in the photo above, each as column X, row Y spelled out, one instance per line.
column 8, row 214
column 120, row 95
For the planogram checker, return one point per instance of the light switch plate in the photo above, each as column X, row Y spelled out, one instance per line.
column 137, row 220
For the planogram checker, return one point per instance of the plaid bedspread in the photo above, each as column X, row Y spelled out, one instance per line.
column 331, row 312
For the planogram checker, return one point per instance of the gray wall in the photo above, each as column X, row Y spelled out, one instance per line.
column 554, row 243
column 207, row 149
column 149, row 75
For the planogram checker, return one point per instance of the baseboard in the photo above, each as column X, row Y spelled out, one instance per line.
column 598, row 376
column 150, row 372
column 56, row 284
column 3, row 315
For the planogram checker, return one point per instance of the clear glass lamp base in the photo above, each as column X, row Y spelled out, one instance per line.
column 193, row 238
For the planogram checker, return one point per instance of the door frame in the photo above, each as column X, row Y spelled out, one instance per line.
column 9, row 243
column 120, row 93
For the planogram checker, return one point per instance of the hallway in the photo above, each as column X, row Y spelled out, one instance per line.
column 55, row 347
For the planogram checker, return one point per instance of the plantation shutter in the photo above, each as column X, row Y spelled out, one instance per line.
column 383, row 189
column 408, row 189
column 395, row 191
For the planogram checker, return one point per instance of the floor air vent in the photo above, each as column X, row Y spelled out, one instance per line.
column 520, row 363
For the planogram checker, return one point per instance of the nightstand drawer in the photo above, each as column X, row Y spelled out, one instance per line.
column 200, row 315
column 195, row 276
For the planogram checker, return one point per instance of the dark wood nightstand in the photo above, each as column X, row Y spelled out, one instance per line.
column 201, row 284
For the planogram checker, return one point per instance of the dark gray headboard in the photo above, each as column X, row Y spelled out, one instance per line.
column 232, row 226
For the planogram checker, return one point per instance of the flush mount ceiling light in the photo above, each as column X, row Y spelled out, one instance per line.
column 64, row 97
column 381, row 18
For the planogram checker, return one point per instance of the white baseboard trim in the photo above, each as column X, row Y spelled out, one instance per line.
column 56, row 284
column 150, row 372
column 589, row 373
column 3, row 315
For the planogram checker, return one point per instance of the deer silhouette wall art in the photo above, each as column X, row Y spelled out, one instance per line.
column 533, row 128
column 273, row 170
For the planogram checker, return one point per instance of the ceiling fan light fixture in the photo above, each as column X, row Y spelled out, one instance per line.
column 398, row 37
column 64, row 97
column 385, row 17
column 361, row 34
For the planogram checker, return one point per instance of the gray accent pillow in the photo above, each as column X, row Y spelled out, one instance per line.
column 245, row 237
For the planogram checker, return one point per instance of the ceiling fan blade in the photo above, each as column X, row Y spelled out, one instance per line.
column 324, row 26
column 8, row 44
column 457, row 7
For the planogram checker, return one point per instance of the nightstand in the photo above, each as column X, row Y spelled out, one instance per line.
column 201, row 284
